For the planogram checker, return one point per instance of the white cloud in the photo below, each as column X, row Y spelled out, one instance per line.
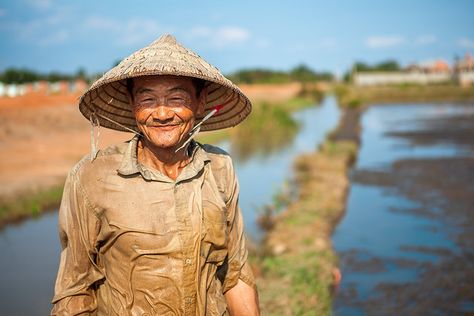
column 101, row 24
column 128, row 32
column 232, row 35
column 426, row 39
column 328, row 43
column 384, row 41
column 57, row 37
column 43, row 31
column 466, row 42
column 262, row 43
column 200, row 32
column 222, row 36
column 139, row 30
column 40, row 4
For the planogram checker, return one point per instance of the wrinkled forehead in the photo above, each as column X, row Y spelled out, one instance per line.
column 164, row 82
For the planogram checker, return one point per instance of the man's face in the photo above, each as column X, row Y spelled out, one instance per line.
column 165, row 108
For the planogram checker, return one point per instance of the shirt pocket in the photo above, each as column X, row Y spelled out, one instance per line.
column 215, row 232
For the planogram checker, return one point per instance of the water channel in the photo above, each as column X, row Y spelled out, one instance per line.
column 404, row 241
column 30, row 250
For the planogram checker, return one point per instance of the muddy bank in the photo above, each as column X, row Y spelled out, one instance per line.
column 441, row 190
column 297, row 268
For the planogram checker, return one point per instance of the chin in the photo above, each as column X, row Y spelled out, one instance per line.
column 165, row 139
column 164, row 142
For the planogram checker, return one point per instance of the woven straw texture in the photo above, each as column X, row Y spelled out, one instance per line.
column 108, row 95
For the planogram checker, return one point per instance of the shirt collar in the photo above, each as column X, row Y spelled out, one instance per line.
column 131, row 166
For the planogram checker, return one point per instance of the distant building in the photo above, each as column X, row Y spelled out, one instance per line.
column 78, row 85
column 40, row 86
column 464, row 70
column 60, row 87
column 14, row 90
column 388, row 78
column 428, row 72
column 43, row 87
column 435, row 66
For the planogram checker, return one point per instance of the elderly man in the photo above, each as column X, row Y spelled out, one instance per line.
column 152, row 226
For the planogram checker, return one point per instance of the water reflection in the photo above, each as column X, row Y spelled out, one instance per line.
column 269, row 129
column 28, row 263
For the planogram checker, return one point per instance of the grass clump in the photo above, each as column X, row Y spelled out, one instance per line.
column 29, row 204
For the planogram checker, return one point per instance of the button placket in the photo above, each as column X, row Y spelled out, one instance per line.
column 185, row 234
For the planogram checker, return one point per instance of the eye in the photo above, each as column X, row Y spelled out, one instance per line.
column 145, row 102
column 177, row 100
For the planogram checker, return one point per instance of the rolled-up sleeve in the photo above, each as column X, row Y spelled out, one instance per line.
column 78, row 230
column 237, row 264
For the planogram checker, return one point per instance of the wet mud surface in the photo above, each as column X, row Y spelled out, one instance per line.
column 443, row 191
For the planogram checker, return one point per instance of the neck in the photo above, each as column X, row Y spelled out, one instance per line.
column 165, row 160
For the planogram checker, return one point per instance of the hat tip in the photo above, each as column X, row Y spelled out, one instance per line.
column 167, row 38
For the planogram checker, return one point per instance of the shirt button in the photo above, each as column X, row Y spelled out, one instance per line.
column 188, row 261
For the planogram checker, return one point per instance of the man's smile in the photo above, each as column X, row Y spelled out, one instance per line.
column 164, row 126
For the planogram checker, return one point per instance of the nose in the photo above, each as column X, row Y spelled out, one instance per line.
column 162, row 113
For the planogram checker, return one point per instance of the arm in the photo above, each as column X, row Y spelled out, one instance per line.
column 78, row 228
column 239, row 287
column 242, row 299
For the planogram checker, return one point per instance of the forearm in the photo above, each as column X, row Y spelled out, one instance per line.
column 242, row 299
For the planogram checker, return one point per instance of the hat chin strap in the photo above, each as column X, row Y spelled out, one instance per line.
column 118, row 124
column 95, row 131
column 197, row 128
column 95, row 135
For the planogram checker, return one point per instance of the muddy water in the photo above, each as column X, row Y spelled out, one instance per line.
column 30, row 251
column 405, row 243
column 28, row 264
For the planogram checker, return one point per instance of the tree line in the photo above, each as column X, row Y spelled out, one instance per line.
column 24, row 75
column 301, row 73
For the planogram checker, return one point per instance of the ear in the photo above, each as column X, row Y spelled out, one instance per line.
column 202, row 102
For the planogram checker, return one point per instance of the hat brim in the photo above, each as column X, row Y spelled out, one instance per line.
column 108, row 96
column 111, row 100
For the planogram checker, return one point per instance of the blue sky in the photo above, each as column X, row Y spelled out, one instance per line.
column 65, row 35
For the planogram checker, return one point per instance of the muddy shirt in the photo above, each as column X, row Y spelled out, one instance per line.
column 135, row 242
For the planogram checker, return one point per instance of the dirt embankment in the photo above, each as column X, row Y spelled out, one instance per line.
column 298, row 267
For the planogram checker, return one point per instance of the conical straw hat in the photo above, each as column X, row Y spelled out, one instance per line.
column 107, row 97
